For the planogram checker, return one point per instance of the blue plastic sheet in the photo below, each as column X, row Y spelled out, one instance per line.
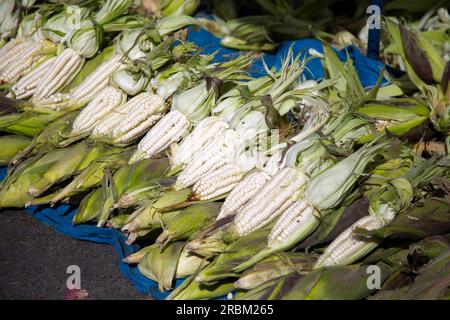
column 368, row 69
column 60, row 217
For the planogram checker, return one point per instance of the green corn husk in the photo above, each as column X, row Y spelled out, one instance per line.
column 423, row 63
column 49, row 138
column 336, row 283
column 149, row 216
column 164, row 266
column 351, row 211
column 401, row 115
column 138, row 255
column 431, row 247
column 386, row 201
column 76, row 158
column 92, row 176
column 160, row 265
column 272, row 267
column 188, row 222
column 235, row 254
column 211, row 241
column 119, row 220
column 90, row 207
column 62, row 169
column 129, row 177
column 109, row 196
column 431, row 284
column 429, row 217
column 189, row 264
column 187, row 7
column 27, row 123
column 193, row 290
column 402, row 260
column 344, row 175
column 142, row 193
column 14, row 191
column 426, row 69
column 10, row 145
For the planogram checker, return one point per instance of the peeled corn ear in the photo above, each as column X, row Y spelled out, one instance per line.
column 24, row 88
column 202, row 134
column 107, row 100
column 132, row 120
column 169, row 129
column 242, row 193
column 78, row 96
column 64, row 68
column 24, row 61
column 271, row 201
column 11, row 49
column 217, row 183
column 348, row 246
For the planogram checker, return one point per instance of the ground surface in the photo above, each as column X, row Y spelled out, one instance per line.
column 34, row 260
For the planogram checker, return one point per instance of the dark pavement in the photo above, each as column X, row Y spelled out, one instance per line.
column 34, row 259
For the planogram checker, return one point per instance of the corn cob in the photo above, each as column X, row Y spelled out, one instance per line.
column 202, row 134
column 211, row 157
column 87, row 89
column 276, row 195
column 11, row 50
column 131, row 120
column 300, row 214
column 24, row 88
column 218, row 182
column 348, row 247
column 107, row 100
column 24, row 61
column 169, row 129
column 66, row 65
column 242, row 193
column 143, row 115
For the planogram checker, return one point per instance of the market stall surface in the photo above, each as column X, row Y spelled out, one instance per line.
column 34, row 261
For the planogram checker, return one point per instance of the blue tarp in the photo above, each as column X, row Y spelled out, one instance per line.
column 60, row 217
column 368, row 69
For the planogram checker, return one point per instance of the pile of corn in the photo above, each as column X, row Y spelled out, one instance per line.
column 266, row 188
